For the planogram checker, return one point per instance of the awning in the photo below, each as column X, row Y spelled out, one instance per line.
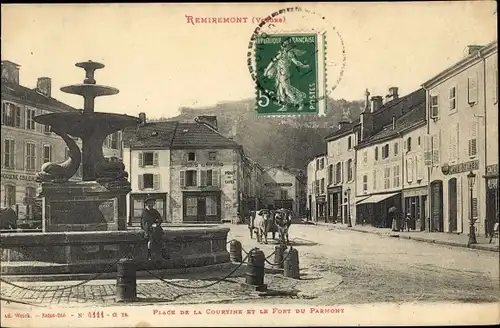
column 359, row 199
column 376, row 198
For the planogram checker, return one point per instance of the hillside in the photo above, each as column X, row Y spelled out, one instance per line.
column 288, row 141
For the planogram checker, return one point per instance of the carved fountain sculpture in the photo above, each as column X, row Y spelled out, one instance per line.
column 98, row 201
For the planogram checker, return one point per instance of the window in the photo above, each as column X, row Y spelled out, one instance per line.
column 349, row 143
column 148, row 180
column 209, row 178
column 374, row 180
column 46, row 129
column 188, row 178
column 30, row 164
column 385, row 151
column 418, row 141
column 387, row 178
column 365, row 183
column 9, row 154
column 436, row 144
column 113, row 140
column 472, row 90
column 376, row 153
column 30, row 194
column 349, row 170
column 47, row 153
column 10, row 195
column 473, row 139
column 396, row 176
column 317, row 164
column 409, row 170
column 338, row 173
column 191, row 157
column 434, row 106
column 396, row 148
column 191, row 206
column 316, row 187
column 330, row 174
column 212, row 155
column 365, row 156
column 211, row 205
column 322, row 185
column 148, row 159
column 453, row 99
column 138, row 207
column 321, row 163
column 11, row 115
column 408, row 144
column 284, row 194
column 30, row 114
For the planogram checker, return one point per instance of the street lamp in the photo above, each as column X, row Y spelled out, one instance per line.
column 471, row 178
column 348, row 194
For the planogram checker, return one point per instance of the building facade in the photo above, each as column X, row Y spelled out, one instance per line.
column 26, row 145
column 386, row 160
column 341, row 173
column 252, row 187
column 316, row 188
column 457, row 108
column 282, row 189
column 196, row 174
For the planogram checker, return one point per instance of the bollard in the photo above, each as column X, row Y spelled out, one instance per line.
column 255, row 270
column 126, row 284
column 291, row 264
column 278, row 255
column 235, row 251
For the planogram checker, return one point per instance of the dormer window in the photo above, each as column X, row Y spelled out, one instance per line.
column 191, row 156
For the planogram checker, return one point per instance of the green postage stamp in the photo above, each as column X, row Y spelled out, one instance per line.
column 290, row 74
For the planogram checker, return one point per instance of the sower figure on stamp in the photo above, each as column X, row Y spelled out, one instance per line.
column 151, row 224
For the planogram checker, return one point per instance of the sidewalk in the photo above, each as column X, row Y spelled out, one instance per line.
column 441, row 238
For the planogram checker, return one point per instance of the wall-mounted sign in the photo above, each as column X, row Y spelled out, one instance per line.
column 492, row 170
column 229, row 181
column 278, row 184
column 194, row 164
column 20, row 177
column 460, row 168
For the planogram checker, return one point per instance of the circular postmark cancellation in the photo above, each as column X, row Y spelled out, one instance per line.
column 290, row 67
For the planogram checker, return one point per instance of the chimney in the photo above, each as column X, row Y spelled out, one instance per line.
column 10, row 72
column 44, row 86
column 142, row 118
column 471, row 49
column 343, row 122
column 366, row 109
column 376, row 103
column 393, row 94
column 211, row 121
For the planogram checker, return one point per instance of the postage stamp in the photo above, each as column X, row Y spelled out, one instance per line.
column 290, row 69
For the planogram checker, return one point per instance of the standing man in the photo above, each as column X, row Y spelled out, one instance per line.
column 151, row 224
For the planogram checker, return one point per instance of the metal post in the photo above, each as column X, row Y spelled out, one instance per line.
column 256, row 270
column 291, row 265
column 235, row 251
column 126, row 282
column 278, row 255
column 472, row 229
column 349, row 224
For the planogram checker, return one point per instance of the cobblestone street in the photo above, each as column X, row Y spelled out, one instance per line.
column 336, row 266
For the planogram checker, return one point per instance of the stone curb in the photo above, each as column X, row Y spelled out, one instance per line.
column 421, row 239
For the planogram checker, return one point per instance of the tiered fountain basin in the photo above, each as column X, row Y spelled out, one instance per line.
column 84, row 252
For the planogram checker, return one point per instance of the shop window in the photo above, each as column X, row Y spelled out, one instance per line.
column 10, row 195
column 211, row 205
column 191, row 206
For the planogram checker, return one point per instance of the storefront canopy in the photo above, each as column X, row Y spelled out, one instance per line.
column 376, row 198
column 360, row 199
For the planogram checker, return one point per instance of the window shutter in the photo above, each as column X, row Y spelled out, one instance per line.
column 473, row 139
column 341, row 172
column 156, row 181
column 427, row 152
column 409, row 170
column 14, row 155
column 182, row 178
column 436, row 141
column 155, row 158
column 140, row 180
column 472, row 89
column 215, row 178
column 141, row 160
column 456, row 141
column 18, row 117
column 203, row 178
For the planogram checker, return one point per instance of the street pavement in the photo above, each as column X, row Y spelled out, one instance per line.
column 337, row 266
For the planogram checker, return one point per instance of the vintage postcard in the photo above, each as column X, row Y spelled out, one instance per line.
column 260, row 164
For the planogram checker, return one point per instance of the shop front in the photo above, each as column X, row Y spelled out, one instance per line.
column 321, row 207
column 492, row 213
column 137, row 205
column 415, row 204
column 334, row 205
column 201, row 207
column 374, row 210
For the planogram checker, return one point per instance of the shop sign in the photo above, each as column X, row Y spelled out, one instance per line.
column 194, row 164
column 415, row 192
column 320, row 199
column 278, row 184
column 460, row 168
column 20, row 177
column 334, row 190
column 492, row 169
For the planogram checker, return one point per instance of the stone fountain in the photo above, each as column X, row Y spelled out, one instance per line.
column 84, row 222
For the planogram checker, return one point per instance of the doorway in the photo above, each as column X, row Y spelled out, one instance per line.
column 452, row 205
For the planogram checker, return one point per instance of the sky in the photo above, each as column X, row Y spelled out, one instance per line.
column 160, row 61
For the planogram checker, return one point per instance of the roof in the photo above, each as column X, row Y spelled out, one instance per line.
column 27, row 95
column 345, row 128
column 150, row 135
column 414, row 113
column 178, row 135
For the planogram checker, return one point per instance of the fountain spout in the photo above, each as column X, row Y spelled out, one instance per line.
column 90, row 67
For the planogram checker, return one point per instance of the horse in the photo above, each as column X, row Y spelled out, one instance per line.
column 8, row 218
column 261, row 224
column 282, row 221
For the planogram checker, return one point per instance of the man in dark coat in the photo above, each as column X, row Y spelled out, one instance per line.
column 151, row 224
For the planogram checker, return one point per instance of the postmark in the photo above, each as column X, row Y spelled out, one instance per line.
column 279, row 82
